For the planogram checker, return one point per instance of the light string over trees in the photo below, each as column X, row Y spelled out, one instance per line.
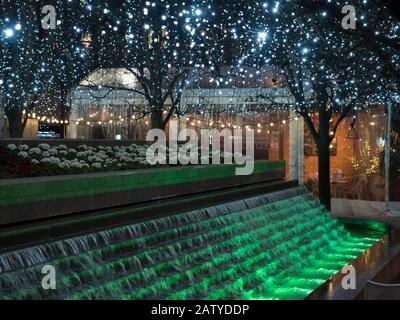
column 39, row 66
column 170, row 46
column 329, row 70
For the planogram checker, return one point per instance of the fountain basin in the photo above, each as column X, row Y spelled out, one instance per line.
column 279, row 245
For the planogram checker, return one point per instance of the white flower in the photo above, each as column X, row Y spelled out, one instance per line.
column 53, row 151
column 23, row 147
column 81, row 154
column 55, row 160
column 76, row 165
column 45, row 160
column 64, row 165
column 95, row 159
column 12, row 147
column 82, row 147
column 102, row 154
column 62, row 147
column 101, row 157
column 35, row 151
column 44, row 146
column 23, row 154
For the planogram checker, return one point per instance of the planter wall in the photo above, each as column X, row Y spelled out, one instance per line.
column 29, row 199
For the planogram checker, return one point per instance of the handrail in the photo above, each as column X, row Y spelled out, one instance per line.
column 384, row 285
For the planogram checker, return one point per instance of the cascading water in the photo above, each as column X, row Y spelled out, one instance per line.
column 276, row 246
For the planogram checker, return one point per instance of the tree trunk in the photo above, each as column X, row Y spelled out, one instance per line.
column 324, row 179
column 324, row 157
column 157, row 120
column 15, row 125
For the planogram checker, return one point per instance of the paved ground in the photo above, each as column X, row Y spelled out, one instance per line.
column 369, row 210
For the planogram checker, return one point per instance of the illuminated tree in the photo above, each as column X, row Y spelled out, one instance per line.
column 164, row 44
column 331, row 72
column 38, row 66
column 21, row 52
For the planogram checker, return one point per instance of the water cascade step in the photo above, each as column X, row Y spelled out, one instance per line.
column 280, row 245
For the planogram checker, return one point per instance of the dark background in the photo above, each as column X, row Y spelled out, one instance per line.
column 394, row 6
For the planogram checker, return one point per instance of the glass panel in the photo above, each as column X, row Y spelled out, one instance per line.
column 357, row 158
column 395, row 157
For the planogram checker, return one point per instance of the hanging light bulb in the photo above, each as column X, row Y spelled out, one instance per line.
column 86, row 40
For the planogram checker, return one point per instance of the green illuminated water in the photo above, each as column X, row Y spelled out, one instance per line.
column 277, row 246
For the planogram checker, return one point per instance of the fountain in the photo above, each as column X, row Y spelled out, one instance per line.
column 281, row 245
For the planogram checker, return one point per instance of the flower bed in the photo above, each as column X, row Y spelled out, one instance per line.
column 44, row 160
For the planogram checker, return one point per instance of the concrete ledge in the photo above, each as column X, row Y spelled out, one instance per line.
column 362, row 208
column 38, row 198
column 381, row 263
column 24, row 234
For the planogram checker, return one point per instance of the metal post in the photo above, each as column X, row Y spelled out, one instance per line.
column 300, row 142
column 296, row 148
column 387, row 159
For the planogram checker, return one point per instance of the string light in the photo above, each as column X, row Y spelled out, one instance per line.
column 175, row 35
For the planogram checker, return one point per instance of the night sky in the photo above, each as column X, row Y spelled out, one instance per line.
column 394, row 6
